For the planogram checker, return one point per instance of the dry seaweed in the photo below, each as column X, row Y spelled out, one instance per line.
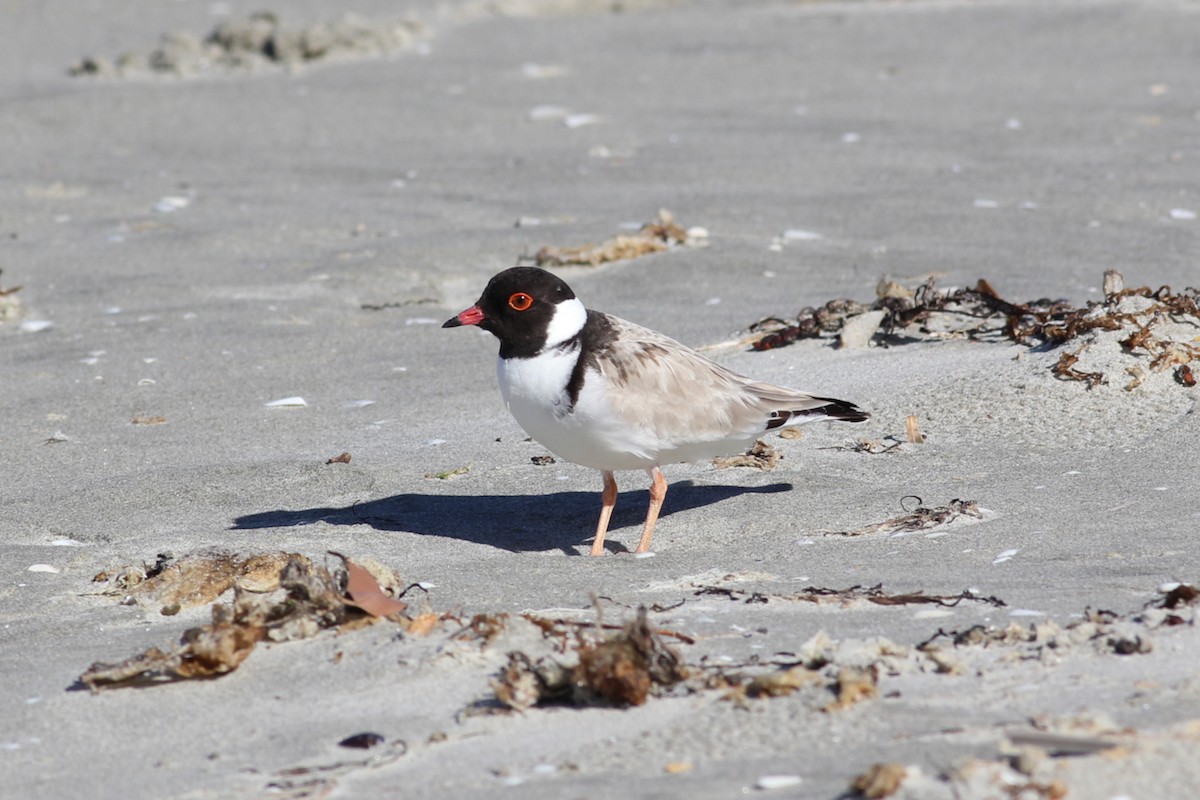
column 919, row 519
column 10, row 304
column 653, row 237
column 871, row 594
column 760, row 456
column 312, row 599
column 254, row 42
column 1183, row 594
column 195, row 579
column 879, row 781
column 777, row 683
column 622, row 669
column 852, row 685
column 979, row 313
column 320, row 780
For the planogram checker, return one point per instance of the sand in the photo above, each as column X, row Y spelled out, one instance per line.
column 194, row 245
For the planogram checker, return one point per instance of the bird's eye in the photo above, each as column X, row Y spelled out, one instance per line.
column 520, row 301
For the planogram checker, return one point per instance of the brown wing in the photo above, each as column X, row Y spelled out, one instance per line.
column 681, row 396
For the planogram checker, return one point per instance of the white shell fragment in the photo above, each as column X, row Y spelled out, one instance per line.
column 1006, row 555
column 771, row 782
column 1183, row 214
column 172, row 203
column 543, row 71
column 44, row 568
column 798, row 235
column 547, row 113
column 287, row 402
column 36, row 325
column 579, row 120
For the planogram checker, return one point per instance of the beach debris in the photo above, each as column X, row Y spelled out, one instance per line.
column 777, row 683
column 770, row 783
column 450, row 474
column 912, row 430
column 308, row 598
column 623, row 668
column 760, row 456
column 654, row 237
column 48, row 568
column 871, row 594
column 287, row 402
column 148, row 419
column 344, row 458
column 171, row 203
column 852, row 685
column 256, row 42
column 311, row 781
column 1105, row 632
column 484, row 627
column 858, row 331
column 364, row 591
column 620, row 669
column 363, row 741
column 879, row 781
column 1158, row 325
column 543, row 460
column 195, row 579
column 920, row 518
column 10, row 304
column 874, row 447
column 1179, row 594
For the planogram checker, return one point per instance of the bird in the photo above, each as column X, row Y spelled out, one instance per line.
column 606, row 393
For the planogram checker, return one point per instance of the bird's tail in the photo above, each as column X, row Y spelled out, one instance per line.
column 829, row 409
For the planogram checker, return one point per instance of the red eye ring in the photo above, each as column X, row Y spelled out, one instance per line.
column 520, row 301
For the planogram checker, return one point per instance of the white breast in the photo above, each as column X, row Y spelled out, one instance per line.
column 535, row 390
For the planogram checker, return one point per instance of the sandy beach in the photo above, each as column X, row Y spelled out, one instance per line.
column 230, row 240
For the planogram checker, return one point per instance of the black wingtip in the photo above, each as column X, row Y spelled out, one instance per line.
column 842, row 410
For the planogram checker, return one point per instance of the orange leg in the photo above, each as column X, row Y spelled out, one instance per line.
column 608, row 500
column 658, row 493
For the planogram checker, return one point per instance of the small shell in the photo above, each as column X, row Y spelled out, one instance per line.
column 287, row 402
column 770, row 782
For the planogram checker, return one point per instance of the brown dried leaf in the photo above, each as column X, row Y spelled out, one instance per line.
column 344, row 458
column 912, row 430
column 144, row 419
column 366, row 593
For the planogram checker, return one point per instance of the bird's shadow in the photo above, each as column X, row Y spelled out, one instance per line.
column 560, row 520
